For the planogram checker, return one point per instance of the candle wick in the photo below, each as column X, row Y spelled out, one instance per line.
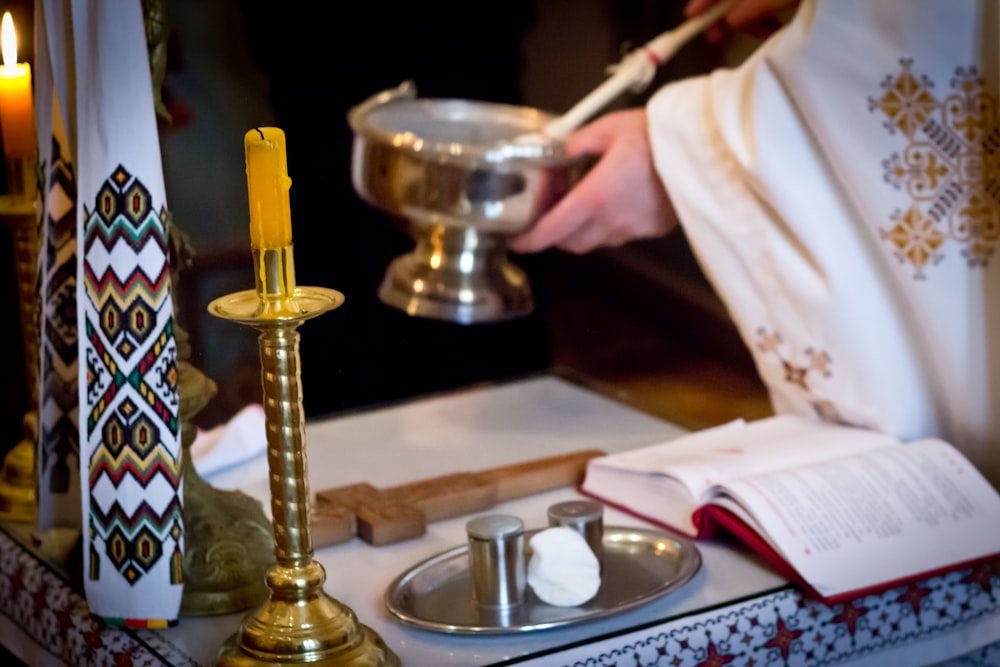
column 260, row 132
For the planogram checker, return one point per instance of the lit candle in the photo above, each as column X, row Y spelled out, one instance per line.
column 17, row 122
column 267, row 185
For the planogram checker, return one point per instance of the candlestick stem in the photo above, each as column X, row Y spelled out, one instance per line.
column 300, row 623
column 285, row 451
column 18, row 210
column 22, row 182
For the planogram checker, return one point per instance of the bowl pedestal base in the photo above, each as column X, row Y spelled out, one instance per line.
column 457, row 274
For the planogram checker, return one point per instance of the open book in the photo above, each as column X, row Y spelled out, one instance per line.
column 842, row 511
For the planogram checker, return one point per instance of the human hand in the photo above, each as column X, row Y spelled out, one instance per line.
column 620, row 199
column 758, row 18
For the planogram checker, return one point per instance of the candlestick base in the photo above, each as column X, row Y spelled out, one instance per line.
column 228, row 543
column 22, row 186
column 311, row 628
column 17, row 477
column 299, row 623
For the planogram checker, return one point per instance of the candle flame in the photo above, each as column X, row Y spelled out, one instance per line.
column 8, row 40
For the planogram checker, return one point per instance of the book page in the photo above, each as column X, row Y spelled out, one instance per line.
column 655, row 498
column 714, row 456
column 856, row 522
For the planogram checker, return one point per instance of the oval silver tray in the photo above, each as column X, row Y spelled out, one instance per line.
column 639, row 566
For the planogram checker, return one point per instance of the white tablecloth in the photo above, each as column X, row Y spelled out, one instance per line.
column 735, row 611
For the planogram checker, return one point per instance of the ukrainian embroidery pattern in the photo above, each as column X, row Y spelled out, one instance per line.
column 949, row 168
column 134, row 514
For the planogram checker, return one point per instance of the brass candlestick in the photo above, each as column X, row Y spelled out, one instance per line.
column 299, row 623
column 19, row 211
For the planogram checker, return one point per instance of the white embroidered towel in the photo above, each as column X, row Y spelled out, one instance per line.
column 128, row 423
column 57, row 456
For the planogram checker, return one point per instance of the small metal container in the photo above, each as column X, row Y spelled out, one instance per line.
column 585, row 517
column 496, row 559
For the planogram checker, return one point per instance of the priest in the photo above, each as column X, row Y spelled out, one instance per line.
column 840, row 190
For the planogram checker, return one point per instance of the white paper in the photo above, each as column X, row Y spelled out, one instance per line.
column 860, row 521
column 686, row 468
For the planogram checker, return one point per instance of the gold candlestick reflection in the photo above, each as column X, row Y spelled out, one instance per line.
column 299, row 623
column 19, row 213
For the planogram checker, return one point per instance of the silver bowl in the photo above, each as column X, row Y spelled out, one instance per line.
column 463, row 176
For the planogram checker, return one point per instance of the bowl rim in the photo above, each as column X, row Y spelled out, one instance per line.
column 534, row 150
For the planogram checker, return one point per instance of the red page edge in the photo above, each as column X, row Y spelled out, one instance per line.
column 707, row 515
column 709, row 520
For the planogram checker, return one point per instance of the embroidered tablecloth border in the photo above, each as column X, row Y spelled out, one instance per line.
column 776, row 628
column 784, row 628
column 41, row 602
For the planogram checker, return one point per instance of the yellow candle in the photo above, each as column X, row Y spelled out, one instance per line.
column 268, row 184
column 17, row 121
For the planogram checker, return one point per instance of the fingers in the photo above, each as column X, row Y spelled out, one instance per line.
column 562, row 222
column 717, row 32
column 747, row 13
column 756, row 17
column 695, row 7
column 620, row 199
column 570, row 215
column 593, row 234
column 593, row 139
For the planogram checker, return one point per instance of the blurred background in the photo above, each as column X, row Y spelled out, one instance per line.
column 639, row 322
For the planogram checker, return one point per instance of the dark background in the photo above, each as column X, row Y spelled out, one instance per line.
column 302, row 69
column 234, row 65
column 15, row 392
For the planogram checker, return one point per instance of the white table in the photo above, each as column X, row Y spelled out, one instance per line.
column 727, row 604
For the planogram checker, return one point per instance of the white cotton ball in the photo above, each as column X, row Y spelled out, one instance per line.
column 563, row 571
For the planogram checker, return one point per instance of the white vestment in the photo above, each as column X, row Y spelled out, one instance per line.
column 841, row 189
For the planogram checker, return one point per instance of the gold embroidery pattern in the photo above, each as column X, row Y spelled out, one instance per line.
column 806, row 374
column 949, row 168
